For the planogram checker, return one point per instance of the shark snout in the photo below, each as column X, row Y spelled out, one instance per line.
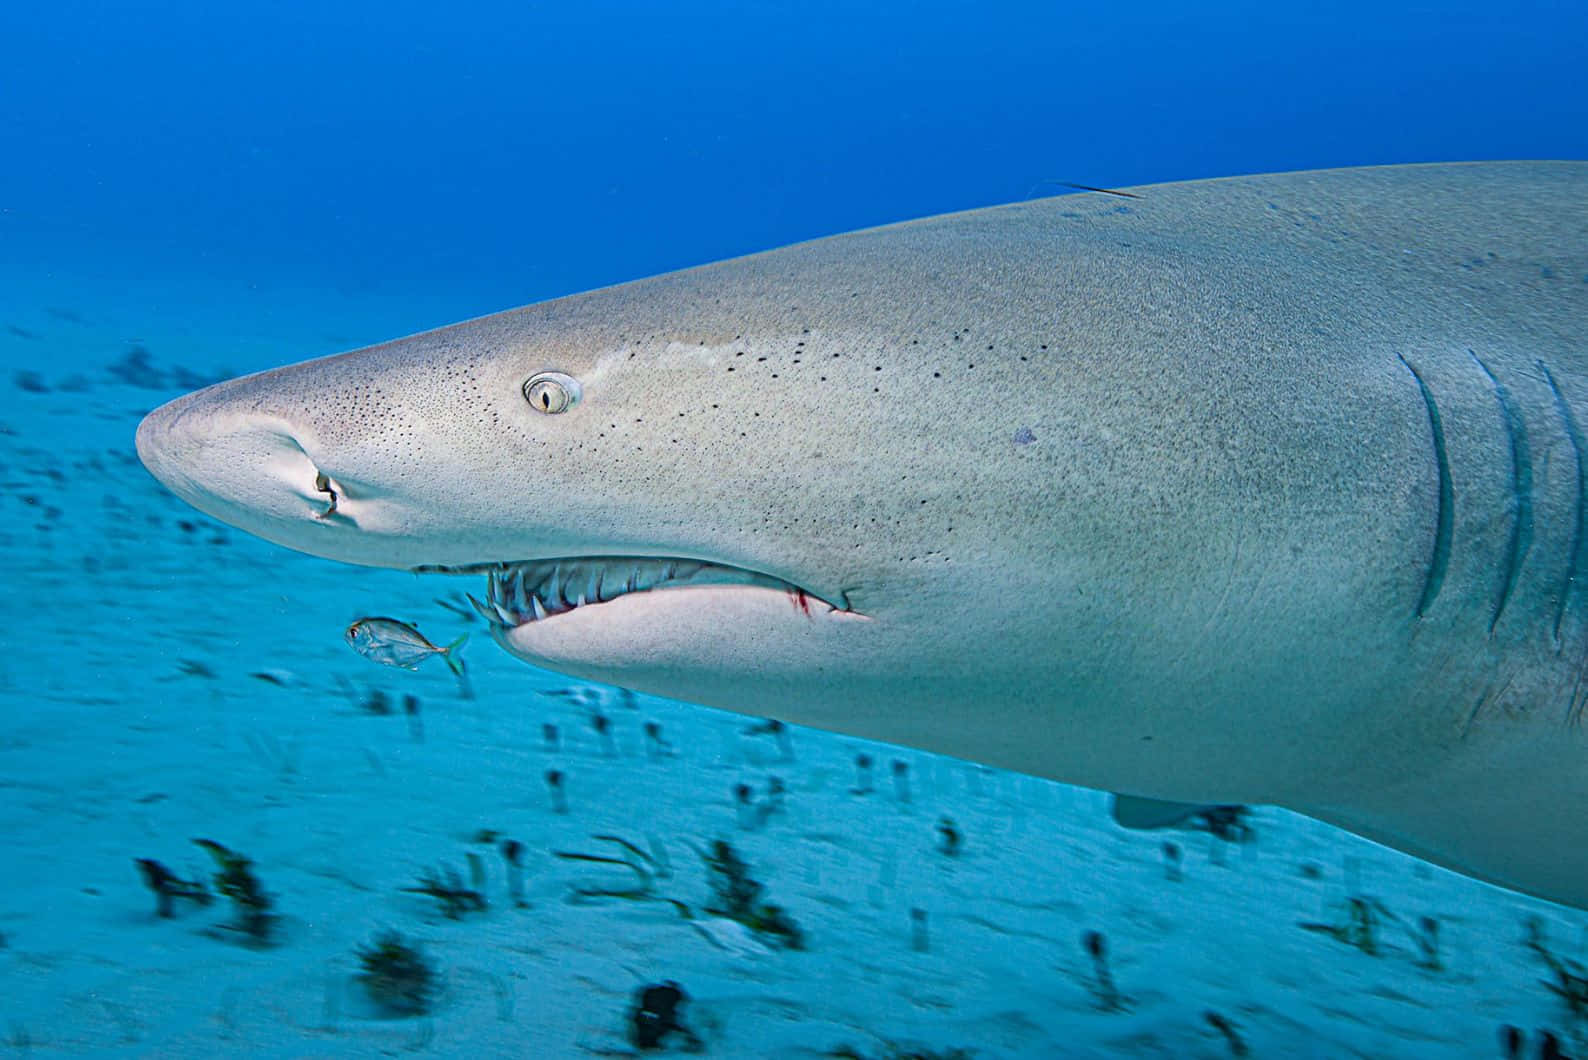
column 238, row 463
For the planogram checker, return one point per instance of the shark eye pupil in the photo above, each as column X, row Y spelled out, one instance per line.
column 551, row 392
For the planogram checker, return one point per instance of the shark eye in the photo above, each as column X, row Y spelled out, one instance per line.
column 551, row 392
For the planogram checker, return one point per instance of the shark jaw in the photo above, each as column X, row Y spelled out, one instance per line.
column 541, row 591
column 672, row 626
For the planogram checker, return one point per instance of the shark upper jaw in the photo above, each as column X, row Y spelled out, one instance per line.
column 540, row 591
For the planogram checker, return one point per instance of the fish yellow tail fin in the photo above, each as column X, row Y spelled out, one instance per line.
column 450, row 655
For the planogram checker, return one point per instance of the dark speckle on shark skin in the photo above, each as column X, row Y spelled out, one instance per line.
column 1024, row 436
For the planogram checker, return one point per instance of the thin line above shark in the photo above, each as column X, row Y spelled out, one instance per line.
column 1263, row 489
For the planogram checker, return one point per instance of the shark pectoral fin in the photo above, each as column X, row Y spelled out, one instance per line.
column 1536, row 849
column 1131, row 811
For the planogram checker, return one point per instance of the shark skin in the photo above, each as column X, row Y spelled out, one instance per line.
column 1264, row 489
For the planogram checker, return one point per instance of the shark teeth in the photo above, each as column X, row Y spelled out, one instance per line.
column 518, row 593
column 484, row 611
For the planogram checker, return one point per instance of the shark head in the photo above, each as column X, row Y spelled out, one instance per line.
column 702, row 485
column 929, row 484
column 627, row 513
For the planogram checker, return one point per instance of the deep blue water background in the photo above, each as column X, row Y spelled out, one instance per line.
column 454, row 159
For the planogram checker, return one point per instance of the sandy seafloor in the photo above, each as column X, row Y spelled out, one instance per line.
column 131, row 721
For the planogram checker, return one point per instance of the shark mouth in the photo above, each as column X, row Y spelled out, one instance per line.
column 533, row 591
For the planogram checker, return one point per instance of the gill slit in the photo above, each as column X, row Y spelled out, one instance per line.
column 1521, row 538
column 1574, row 558
column 1444, row 522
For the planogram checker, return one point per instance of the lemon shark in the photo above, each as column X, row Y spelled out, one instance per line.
column 1265, row 489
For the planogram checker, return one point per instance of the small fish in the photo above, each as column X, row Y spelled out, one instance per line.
column 194, row 668
column 279, row 678
column 393, row 643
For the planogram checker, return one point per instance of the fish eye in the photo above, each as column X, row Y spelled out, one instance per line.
column 551, row 392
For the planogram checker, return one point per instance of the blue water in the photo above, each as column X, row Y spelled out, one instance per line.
column 493, row 154
column 236, row 185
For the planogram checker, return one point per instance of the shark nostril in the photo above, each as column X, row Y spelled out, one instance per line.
column 322, row 484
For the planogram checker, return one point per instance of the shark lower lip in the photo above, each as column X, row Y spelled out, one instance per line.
column 537, row 590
